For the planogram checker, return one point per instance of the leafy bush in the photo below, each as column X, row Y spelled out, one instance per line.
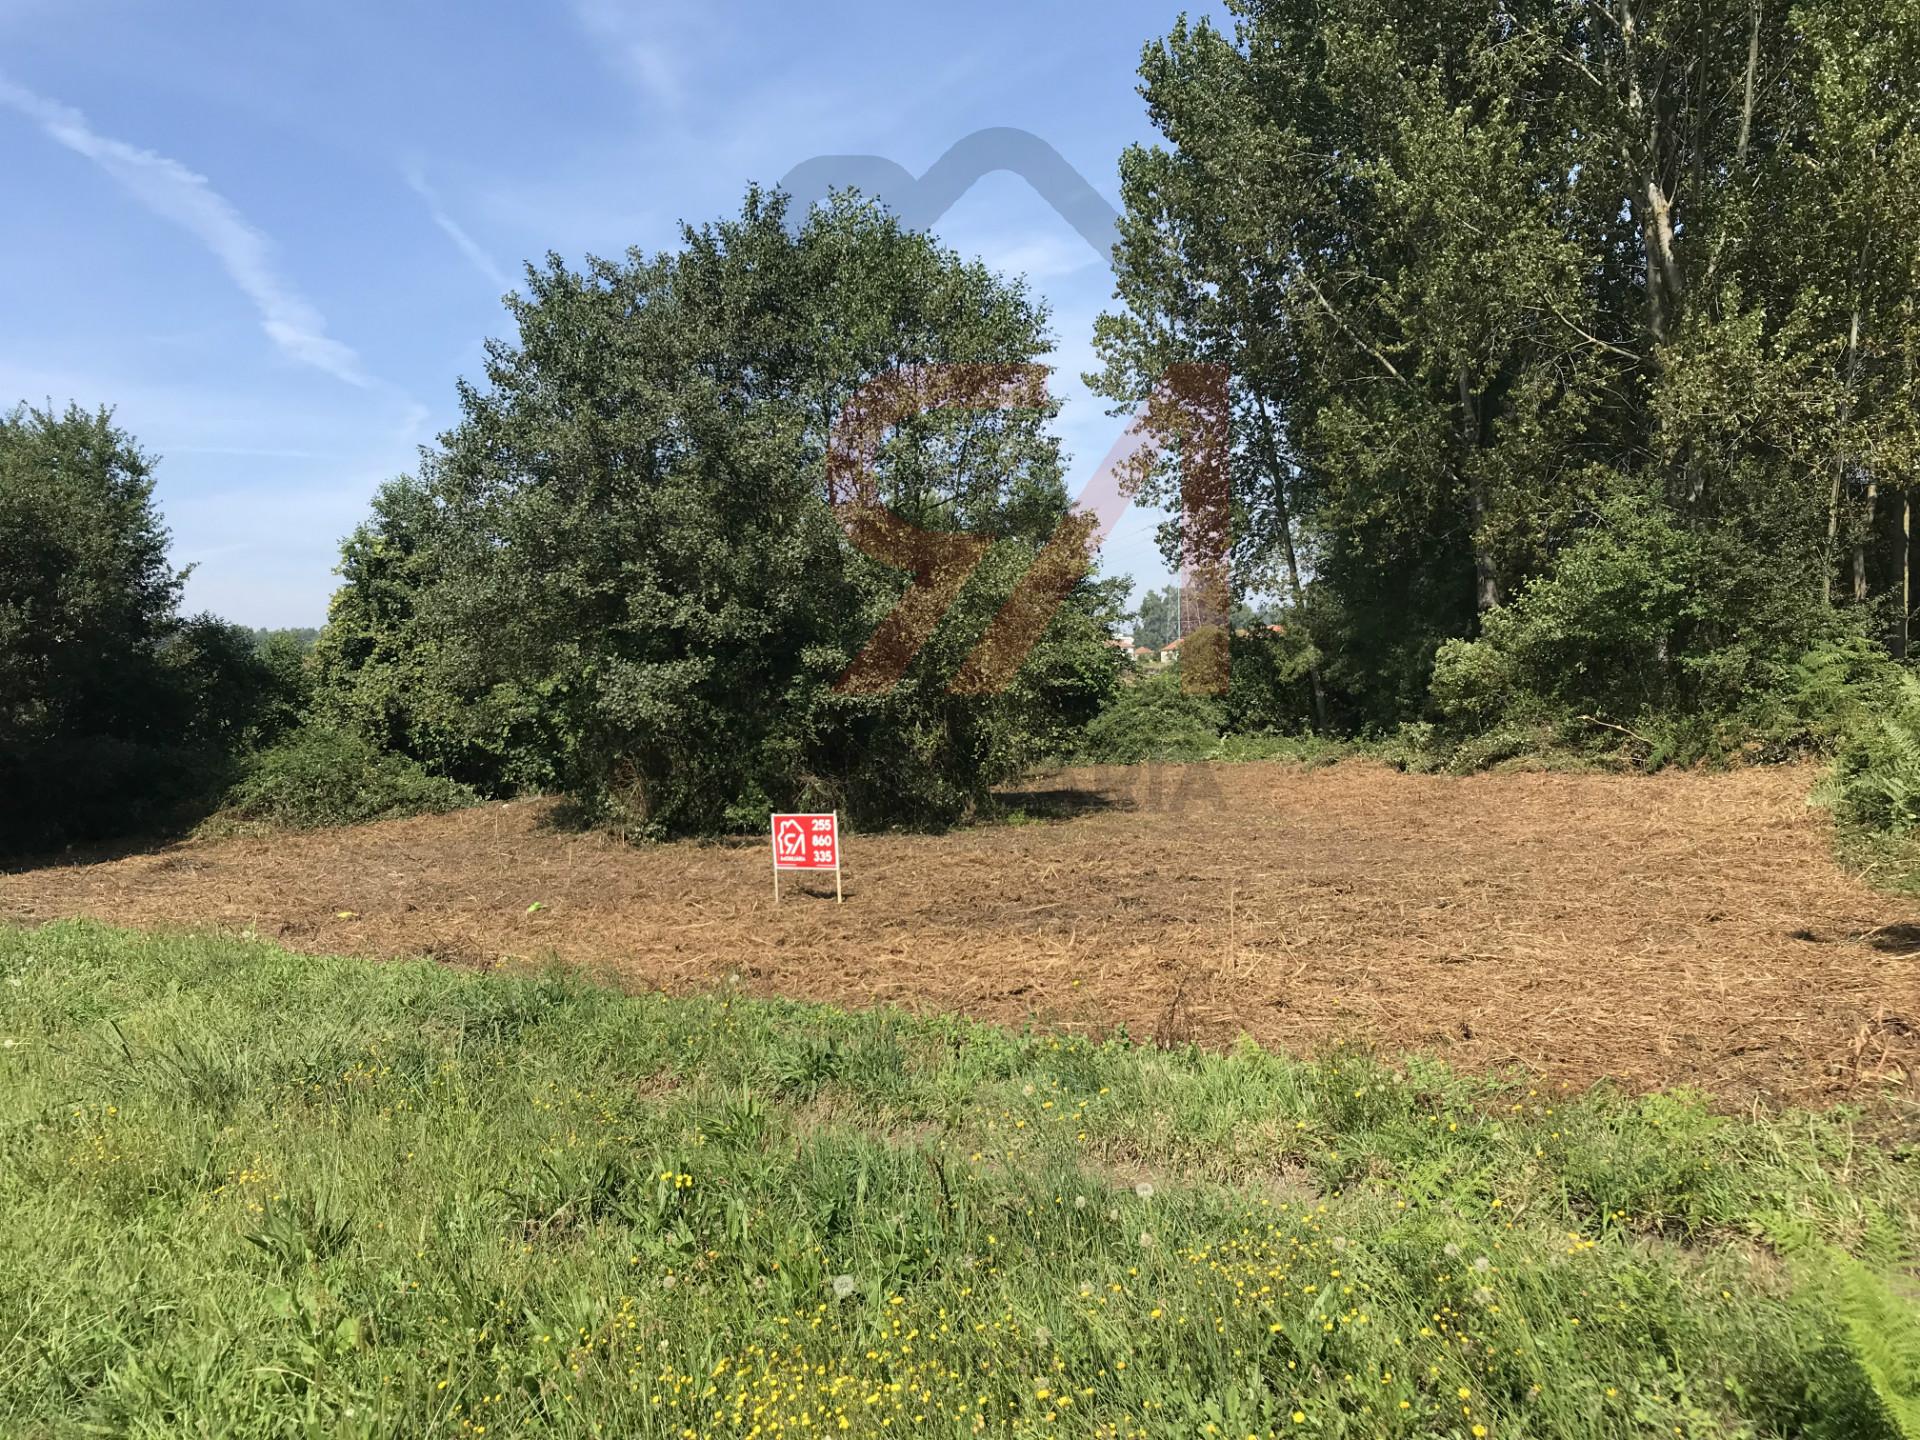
column 1816, row 699
column 1269, row 687
column 1641, row 637
column 317, row 776
column 1876, row 780
column 1305, row 749
column 1603, row 633
column 232, row 690
column 1154, row 719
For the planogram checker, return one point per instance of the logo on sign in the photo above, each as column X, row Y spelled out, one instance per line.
column 793, row 840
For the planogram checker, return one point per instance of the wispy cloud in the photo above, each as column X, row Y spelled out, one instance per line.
column 457, row 233
column 188, row 199
column 635, row 37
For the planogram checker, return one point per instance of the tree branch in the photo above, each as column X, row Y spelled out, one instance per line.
column 1300, row 273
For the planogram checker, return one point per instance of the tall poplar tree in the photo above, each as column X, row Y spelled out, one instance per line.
column 1486, row 273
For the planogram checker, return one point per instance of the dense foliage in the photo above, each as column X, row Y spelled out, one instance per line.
column 115, row 713
column 1154, row 718
column 620, row 574
column 319, row 776
column 89, row 596
column 1576, row 333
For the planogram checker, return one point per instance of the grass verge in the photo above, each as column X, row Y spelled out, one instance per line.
column 252, row 1193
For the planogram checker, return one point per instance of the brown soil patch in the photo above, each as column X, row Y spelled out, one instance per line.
column 1659, row 930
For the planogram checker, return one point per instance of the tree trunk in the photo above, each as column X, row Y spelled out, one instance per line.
column 1276, row 478
column 1650, row 204
column 1486, row 576
column 1837, row 492
column 1753, row 68
column 1860, row 543
column 1901, row 632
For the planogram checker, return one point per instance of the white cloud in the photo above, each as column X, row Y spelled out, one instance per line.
column 455, row 232
column 637, row 43
column 188, row 199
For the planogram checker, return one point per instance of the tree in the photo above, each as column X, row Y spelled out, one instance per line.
column 1487, row 273
column 116, row 715
column 299, row 638
column 621, row 574
column 1159, row 619
column 233, row 693
column 86, row 593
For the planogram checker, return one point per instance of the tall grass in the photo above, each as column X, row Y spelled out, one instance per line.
column 250, row 1193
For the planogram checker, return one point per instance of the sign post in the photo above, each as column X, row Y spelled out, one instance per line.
column 807, row 842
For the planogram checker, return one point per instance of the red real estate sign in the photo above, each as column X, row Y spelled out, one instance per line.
column 806, row 842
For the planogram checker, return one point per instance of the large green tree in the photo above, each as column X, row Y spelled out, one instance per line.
column 621, row 574
column 86, row 593
column 1492, row 276
column 116, row 714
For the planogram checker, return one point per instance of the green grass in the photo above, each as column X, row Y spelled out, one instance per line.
column 1311, row 750
column 252, row 1193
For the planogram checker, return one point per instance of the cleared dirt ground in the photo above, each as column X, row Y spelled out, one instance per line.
column 1660, row 930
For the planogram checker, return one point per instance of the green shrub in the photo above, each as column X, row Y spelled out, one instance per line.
column 1308, row 749
column 1817, row 699
column 1876, row 780
column 1602, row 634
column 1154, row 719
column 318, row 777
column 230, row 690
column 1270, row 687
column 1637, row 642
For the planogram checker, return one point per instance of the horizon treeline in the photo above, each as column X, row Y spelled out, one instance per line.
column 1573, row 347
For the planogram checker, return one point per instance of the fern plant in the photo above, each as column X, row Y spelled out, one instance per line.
column 1883, row 1341
column 1877, row 772
column 1874, row 1387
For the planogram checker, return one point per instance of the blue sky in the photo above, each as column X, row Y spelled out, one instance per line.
column 273, row 235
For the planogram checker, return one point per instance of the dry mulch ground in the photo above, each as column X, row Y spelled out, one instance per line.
column 1675, row 929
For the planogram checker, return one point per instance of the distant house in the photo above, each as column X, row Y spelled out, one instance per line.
column 1170, row 651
